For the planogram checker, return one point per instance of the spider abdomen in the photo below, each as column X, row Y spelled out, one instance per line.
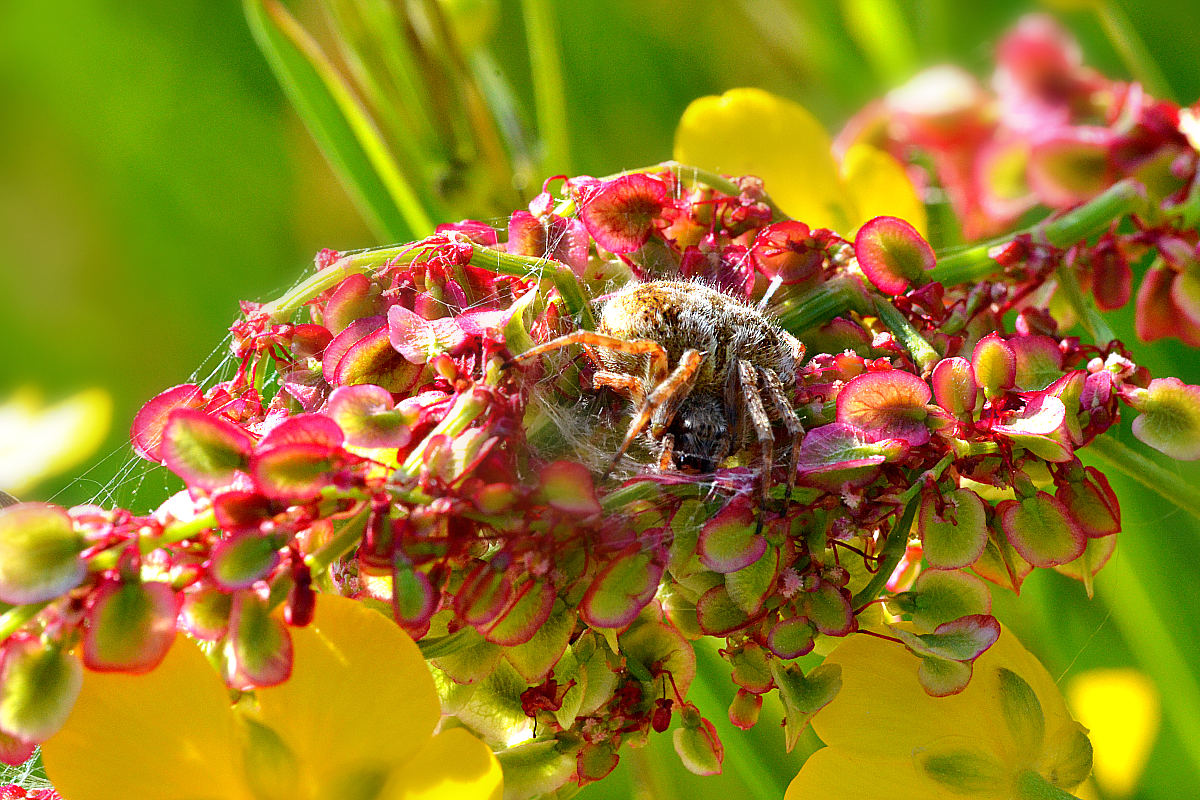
column 681, row 316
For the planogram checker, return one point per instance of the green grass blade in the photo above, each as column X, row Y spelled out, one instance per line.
column 362, row 47
column 883, row 35
column 338, row 123
column 550, row 98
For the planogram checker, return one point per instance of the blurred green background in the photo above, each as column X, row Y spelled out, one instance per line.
column 152, row 174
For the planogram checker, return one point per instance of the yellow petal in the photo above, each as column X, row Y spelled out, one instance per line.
column 165, row 735
column 37, row 442
column 883, row 709
column 453, row 765
column 752, row 132
column 1120, row 708
column 834, row 774
column 360, row 696
column 878, row 186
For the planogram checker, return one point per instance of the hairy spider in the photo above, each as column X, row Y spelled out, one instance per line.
column 697, row 364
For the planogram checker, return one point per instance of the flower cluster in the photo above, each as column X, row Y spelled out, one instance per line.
column 1053, row 133
column 385, row 449
column 384, row 439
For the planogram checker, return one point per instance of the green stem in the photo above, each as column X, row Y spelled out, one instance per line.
column 340, row 543
column 693, row 176
column 893, row 551
column 549, row 95
column 933, row 472
column 404, row 195
column 566, row 281
column 174, row 532
column 1133, row 51
column 641, row 491
column 816, row 307
column 921, row 351
column 12, row 620
column 282, row 308
column 180, row 530
column 466, row 409
column 1089, row 316
column 975, row 263
column 1137, row 467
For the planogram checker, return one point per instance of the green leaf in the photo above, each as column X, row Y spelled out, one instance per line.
column 956, row 537
column 804, row 695
column 339, row 123
column 536, row 768
column 939, row 596
column 536, row 658
column 38, row 689
column 39, row 553
column 750, row 585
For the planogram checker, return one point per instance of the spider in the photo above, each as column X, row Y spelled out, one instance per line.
column 697, row 365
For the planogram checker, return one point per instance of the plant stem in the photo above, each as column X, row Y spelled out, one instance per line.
column 882, row 34
column 282, row 308
column 12, row 620
column 976, row 263
column 933, row 472
column 1089, row 317
column 893, row 551
column 549, row 95
column 921, row 351
column 815, row 308
column 693, row 176
column 1155, row 641
column 821, row 305
column 341, row 541
column 567, row 283
column 180, row 530
column 1137, row 467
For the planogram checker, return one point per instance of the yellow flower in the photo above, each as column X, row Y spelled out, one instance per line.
column 1007, row 735
column 752, row 132
column 1121, row 709
column 38, row 442
column 354, row 722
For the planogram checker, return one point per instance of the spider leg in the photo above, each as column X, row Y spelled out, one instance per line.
column 666, row 455
column 627, row 385
column 753, row 404
column 783, row 407
column 656, row 352
column 678, row 386
column 678, row 383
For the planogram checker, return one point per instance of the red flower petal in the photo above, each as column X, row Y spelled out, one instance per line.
column 892, row 254
column 621, row 214
column 886, row 405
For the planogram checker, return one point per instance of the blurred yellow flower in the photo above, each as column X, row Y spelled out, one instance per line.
column 354, row 721
column 1121, row 710
column 752, row 132
column 39, row 441
column 1007, row 735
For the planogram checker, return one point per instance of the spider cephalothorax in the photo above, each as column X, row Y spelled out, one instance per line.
column 702, row 368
